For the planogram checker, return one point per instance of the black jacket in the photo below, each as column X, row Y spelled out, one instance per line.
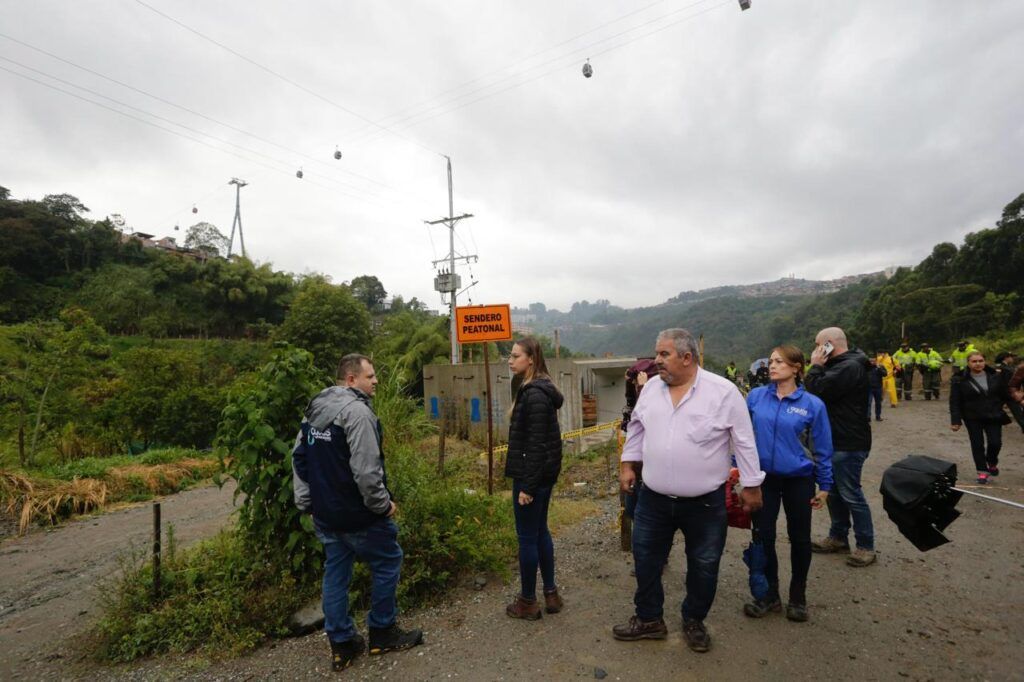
column 967, row 400
column 534, row 437
column 875, row 376
column 843, row 385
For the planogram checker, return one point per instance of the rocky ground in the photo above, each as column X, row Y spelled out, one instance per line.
column 956, row 612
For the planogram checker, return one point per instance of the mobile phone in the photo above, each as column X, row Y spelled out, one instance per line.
column 827, row 348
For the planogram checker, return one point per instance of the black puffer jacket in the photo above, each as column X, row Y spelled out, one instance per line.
column 967, row 400
column 534, row 437
column 843, row 385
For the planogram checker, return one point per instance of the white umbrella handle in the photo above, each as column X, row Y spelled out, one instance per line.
column 989, row 497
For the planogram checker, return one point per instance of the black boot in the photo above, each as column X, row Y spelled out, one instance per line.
column 796, row 609
column 383, row 640
column 759, row 608
column 343, row 653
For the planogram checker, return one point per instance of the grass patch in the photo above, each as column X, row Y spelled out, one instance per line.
column 89, row 484
column 216, row 601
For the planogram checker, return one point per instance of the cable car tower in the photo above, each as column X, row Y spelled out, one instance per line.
column 239, row 184
column 448, row 281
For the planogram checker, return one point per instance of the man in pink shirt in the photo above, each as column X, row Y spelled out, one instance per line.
column 686, row 424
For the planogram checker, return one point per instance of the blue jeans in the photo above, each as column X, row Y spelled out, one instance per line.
column 703, row 523
column 535, row 545
column 847, row 501
column 377, row 545
column 875, row 394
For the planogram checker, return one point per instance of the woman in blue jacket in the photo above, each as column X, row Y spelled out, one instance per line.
column 794, row 443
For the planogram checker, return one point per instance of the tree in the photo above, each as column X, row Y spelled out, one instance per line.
column 327, row 321
column 5, row 193
column 207, row 239
column 369, row 290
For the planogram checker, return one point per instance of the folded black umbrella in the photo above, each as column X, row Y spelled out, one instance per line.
column 919, row 495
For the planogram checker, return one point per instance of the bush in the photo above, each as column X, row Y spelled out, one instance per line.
column 215, row 598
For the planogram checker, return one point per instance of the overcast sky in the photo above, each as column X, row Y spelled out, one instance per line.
column 711, row 146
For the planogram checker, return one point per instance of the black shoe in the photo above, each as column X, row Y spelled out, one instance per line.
column 878, row 419
column 759, row 608
column 383, row 640
column 343, row 653
column 796, row 612
column 697, row 637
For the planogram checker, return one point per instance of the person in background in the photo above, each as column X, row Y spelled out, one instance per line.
column 930, row 363
column 533, row 463
column 891, row 367
column 958, row 356
column 684, row 425
column 976, row 397
column 730, row 371
column 762, row 374
column 876, row 379
column 794, row 445
column 906, row 359
column 1007, row 362
column 839, row 376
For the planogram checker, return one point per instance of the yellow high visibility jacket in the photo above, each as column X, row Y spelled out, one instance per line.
column 908, row 359
column 930, row 360
column 959, row 357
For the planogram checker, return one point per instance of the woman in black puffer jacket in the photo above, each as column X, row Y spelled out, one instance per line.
column 533, row 462
column 976, row 397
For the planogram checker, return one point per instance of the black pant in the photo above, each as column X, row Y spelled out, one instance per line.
column 1018, row 412
column 876, row 395
column 795, row 495
column 980, row 431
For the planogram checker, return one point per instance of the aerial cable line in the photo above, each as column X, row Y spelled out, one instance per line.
column 190, row 111
column 179, row 134
column 175, row 123
column 284, row 78
column 522, row 60
column 570, row 56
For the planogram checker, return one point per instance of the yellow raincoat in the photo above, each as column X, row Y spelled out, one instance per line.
column 889, row 380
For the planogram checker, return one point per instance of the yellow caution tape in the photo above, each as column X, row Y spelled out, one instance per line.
column 568, row 435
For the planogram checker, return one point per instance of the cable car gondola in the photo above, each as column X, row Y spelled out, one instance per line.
column 194, row 209
column 744, row 4
column 337, row 154
column 298, row 174
column 588, row 70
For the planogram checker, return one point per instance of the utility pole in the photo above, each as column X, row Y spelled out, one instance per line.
column 239, row 184
column 448, row 281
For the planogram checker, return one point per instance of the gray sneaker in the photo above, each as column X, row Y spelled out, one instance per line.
column 830, row 545
column 861, row 557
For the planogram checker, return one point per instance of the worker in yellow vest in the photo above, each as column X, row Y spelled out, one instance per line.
column 883, row 359
column 906, row 358
column 959, row 354
column 930, row 363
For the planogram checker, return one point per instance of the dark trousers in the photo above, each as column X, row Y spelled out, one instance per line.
column 703, row 523
column 979, row 432
column 1018, row 412
column 793, row 494
column 906, row 383
column 536, row 549
column 931, row 380
column 876, row 396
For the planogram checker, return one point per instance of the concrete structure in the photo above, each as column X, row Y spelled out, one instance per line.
column 458, row 393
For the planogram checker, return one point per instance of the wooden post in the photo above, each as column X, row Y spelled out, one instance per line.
column 156, row 552
column 701, row 350
column 440, row 440
column 490, row 425
column 558, row 345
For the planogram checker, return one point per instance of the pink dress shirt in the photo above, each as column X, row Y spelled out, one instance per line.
column 685, row 449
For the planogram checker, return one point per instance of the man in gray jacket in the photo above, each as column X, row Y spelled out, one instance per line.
column 339, row 477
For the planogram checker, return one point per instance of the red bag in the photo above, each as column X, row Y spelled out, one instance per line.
column 733, row 505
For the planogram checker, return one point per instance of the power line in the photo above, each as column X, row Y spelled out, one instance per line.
column 179, row 134
column 188, row 110
column 284, row 78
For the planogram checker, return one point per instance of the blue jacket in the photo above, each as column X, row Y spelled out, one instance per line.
column 781, row 430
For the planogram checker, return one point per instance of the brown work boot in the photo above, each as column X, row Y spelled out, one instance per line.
column 553, row 601
column 637, row 629
column 527, row 609
column 830, row 545
column 861, row 557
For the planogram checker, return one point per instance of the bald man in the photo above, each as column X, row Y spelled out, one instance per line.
column 839, row 376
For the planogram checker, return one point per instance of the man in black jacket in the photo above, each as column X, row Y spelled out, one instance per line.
column 839, row 376
column 339, row 477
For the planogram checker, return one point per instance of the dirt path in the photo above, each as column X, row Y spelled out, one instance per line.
column 953, row 613
column 48, row 578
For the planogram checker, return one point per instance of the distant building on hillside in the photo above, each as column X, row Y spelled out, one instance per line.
column 167, row 244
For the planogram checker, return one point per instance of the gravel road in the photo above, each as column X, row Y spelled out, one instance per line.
column 954, row 613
